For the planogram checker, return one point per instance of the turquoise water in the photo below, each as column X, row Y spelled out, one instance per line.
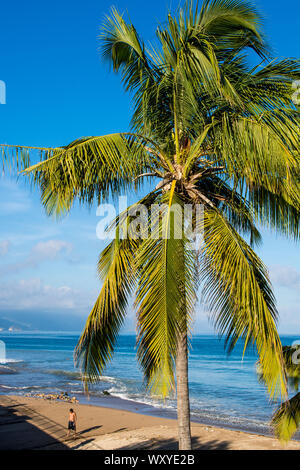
column 224, row 390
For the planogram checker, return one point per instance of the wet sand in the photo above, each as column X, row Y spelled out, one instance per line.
column 32, row 423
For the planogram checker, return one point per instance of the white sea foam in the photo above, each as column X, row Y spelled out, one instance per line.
column 140, row 398
column 8, row 387
column 107, row 378
column 11, row 387
column 8, row 361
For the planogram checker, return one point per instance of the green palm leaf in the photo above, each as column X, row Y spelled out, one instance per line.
column 165, row 295
column 92, row 168
column 286, row 420
column 117, row 270
column 96, row 344
column 237, row 290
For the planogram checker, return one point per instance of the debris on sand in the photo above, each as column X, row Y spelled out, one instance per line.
column 63, row 396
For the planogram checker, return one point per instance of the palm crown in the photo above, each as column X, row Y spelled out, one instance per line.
column 206, row 129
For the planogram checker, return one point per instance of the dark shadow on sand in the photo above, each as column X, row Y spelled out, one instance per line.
column 88, row 430
column 172, row 444
column 18, row 433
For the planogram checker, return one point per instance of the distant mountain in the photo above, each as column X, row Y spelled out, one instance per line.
column 42, row 321
column 6, row 323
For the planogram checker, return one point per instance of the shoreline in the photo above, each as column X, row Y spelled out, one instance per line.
column 36, row 423
column 125, row 404
column 231, row 401
column 112, row 402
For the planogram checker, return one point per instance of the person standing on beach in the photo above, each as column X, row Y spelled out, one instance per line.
column 72, row 422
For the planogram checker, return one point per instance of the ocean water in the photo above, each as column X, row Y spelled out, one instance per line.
column 224, row 390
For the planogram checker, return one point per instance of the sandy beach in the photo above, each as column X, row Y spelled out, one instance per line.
column 32, row 423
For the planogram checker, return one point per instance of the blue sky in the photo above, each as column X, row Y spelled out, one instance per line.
column 58, row 89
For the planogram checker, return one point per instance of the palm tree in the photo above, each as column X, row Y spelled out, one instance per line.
column 209, row 130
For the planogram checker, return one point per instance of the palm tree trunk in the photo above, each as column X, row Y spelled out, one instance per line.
column 183, row 401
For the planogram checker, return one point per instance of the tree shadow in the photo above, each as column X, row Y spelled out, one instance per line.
column 80, row 444
column 209, row 445
column 172, row 444
column 17, row 432
column 118, row 430
column 84, row 431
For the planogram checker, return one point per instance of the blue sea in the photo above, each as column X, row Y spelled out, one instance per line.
column 224, row 390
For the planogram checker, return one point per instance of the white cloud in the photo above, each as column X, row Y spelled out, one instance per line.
column 16, row 198
column 35, row 232
column 285, row 276
column 49, row 250
column 11, row 207
column 41, row 252
column 35, row 294
column 4, row 247
column 289, row 319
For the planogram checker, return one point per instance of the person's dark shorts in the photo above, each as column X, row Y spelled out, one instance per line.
column 71, row 425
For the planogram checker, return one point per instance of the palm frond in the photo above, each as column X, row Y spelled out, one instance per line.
column 96, row 344
column 236, row 208
column 286, row 420
column 165, row 295
column 233, row 25
column 14, row 158
column 122, row 47
column 237, row 290
column 92, row 168
column 118, row 271
column 277, row 211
